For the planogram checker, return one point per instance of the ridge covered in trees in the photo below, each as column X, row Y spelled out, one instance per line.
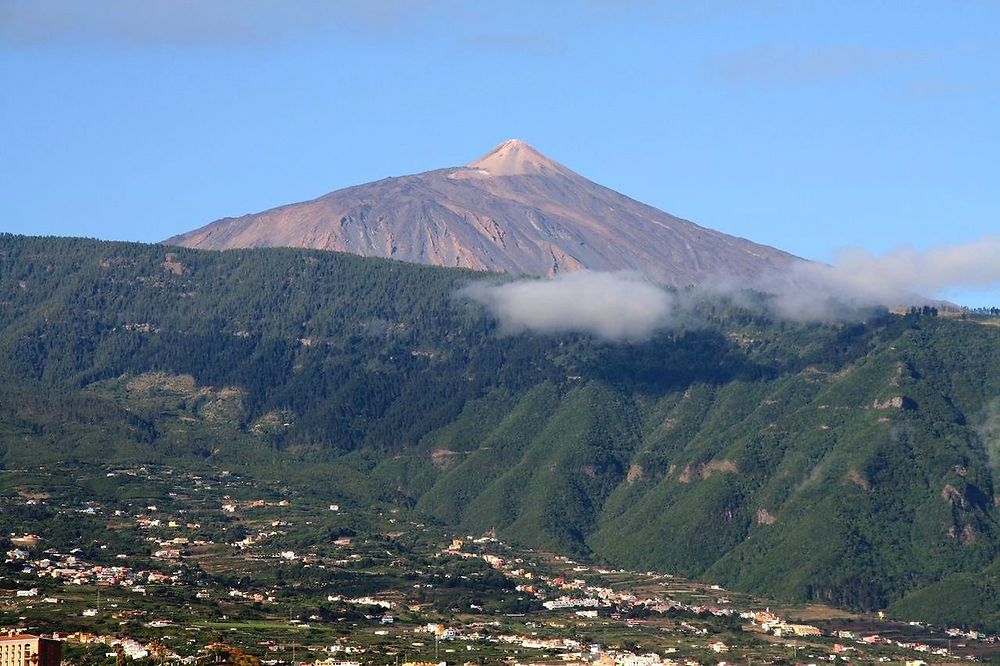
column 852, row 463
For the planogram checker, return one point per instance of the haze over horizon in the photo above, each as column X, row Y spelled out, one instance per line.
column 808, row 128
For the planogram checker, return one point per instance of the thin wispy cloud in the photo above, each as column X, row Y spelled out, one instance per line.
column 906, row 269
column 200, row 22
column 537, row 43
column 812, row 291
column 786, row 65
column 988, row 429
column 933, row 87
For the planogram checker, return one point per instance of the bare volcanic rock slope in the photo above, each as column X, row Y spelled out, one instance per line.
column 513, row 210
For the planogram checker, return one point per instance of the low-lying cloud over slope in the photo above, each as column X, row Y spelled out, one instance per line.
column 624, row 306
column 904, row 276
column 614, row 306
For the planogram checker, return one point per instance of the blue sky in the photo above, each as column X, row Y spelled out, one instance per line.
column 807, row 125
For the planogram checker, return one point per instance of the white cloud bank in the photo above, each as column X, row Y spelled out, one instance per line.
column 613, row 306
column 624, row 306
column 205, row 22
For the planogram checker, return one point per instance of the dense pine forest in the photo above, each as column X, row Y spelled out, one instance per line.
column 852, row 462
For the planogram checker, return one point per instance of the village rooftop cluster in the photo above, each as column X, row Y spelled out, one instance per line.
column 184, row 563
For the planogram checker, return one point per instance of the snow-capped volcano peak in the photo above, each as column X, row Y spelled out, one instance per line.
column 516, row 158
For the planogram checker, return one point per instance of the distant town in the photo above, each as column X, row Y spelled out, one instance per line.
column 220, row 570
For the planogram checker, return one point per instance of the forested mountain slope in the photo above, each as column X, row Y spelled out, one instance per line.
column 846, row 462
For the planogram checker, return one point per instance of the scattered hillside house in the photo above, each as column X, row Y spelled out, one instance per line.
column 568, row 602
column 26, row 540
column 629, row 659
column 787, row 629
column 133, row 648
column 435, row 628
column 369, row 601
column 493, row 561
column 29, row 650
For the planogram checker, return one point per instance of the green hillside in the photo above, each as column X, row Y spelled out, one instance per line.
column 847, row 463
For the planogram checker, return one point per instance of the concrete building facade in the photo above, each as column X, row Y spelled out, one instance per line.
column 28, row 650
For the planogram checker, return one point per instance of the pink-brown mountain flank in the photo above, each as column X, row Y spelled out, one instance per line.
column 513, row 210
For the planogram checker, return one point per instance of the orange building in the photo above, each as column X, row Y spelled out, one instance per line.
column 28, row 650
